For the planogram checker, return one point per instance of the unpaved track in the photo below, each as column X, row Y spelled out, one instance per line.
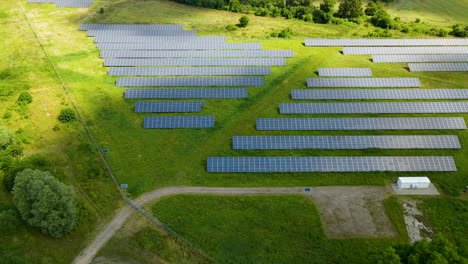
column 87, row 255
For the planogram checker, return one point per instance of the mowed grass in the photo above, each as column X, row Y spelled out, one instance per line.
column 260, row 229
column 148, row 159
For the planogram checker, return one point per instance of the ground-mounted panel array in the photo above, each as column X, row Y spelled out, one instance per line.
column 73, row 3
column 420, row 58
column 379, row 94
column 363, row 82
column 330, row 164
column 383, row 123
column 403, row 50
column 346, row 142
column 374, row 108
column 196, row 62
column 178, row 121
column 438, row 67
column 120, row 27
column 187, row 71
column 178, row 46
column 344, row 72
column 193, row 93
column 195, row 53
column 384, row 42
column 159, row 39
column 157, row 32
column 188, row 81
column 169, row 107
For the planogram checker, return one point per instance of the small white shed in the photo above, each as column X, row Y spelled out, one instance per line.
column 413, row 182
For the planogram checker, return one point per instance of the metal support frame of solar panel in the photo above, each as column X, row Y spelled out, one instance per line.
column 438, row 67
column 374, row 108
column 346, row 142
column 379, row 94
column 188, row 71
column 178, row 121
column 363, row 82
column 420, row 58
column 177, row 32
column 384, row 42
column 169, row 107
column 177, row 46
column 188, row 81
column 196, row 53
column 73, row 3
column 196, row 62
column 129, row 27
column 382, row 123
column 344, row 72
column 159, row 39
column 194, row 93
column 403, row 50
column 330, row 164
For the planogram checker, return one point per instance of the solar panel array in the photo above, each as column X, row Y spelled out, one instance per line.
column 157, row 32
column 420, row 58
column 187, row 71
column 194, row 93
column 438, row 67
column 344, row 72
column 388, row 123
column 64, row 3
column 329, row 164
column 376, row 94
column 176, row 46
column 403, row 50
column 384, row 42
column 160, row 39
column 188, row 81
column 137, row 27
column 363, row 82
column 345, row 142
column 195, row 53
column 178, row 121
column 169, row 107
column 375, row 108
column 196, row 62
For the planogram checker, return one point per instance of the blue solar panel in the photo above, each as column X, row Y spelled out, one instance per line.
column 129, row 27
column 157, row 32
column 195, row 53
column 188, row 81
column 438, row 67
column 188, row 71
column 363, row 82
column 193, row 93
column 196, row 62
column 384, row 42
column 177, row 46
column 358, row 94
column 420, row 58
column 330, row 164
column 178, row 121
column 163, row 39
column 169, row 107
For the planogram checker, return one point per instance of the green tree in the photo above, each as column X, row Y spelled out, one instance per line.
column 328, row 6
column 388, row 256
column 244, row 21
column 6, row 137
column 235, row 6
column 351, row 9
column 8, row 221
column 67, row 115
column 382, row 19
column 44, row 202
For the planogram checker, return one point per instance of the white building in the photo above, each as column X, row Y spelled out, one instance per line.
column 413, row 182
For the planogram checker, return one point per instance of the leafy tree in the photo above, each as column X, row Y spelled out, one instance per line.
column 244, row 21
column 44, row 202
column 351, row 9
column 235, row 6
column 231, row 27
column 67, row 115
column 6, row 137
column 8, row 221
column 382, row 19
column 372, row 8
column 327, row 6
column 25, row 98
column 459, row 31
column 388, row 256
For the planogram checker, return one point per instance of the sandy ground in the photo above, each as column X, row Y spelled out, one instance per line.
column 414, row 227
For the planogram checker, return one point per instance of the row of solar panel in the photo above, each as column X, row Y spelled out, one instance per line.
column 379, row 94
column 196, row 62
column 196, row 53
column 178, row 121
column 384, row 42
column 363, row 82
column 438, row 67
column 193, row 93
column 169, row 107
column 329, row 164
column 129, row 27
column 159, row 39
column 403, row 50
column 187, row 71
column 383, row 123
column 344, row 72
column 155, row 32
column 65, row 3
column 346, row 142
column 374, row 108
column 176, row 46
column 420, row 58
column 188, row 81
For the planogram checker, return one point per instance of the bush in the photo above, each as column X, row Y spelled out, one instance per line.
column 8, row 221
column 382, row 19
column 285, row 33
column 101, row 11
column 244, row 21
column 44, row 202
column 67, row 115
column 24, row 98
column 6, row 137
column 231, row 27
column 442, row 33
column 378, row 33
column 459, row 31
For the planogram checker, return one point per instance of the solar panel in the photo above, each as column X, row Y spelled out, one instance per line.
column 375, row 108
column 188, row 81
column 163, row 39
column 344, row 72
column 420, row 58
column 129, row 27
column 178, row 121
column 403, row 50
column 330, row 164
column 345, row 142
column 165, row 32
column 438, row 67
column 363, row 82
column 197, row 62
column 376, row 94
column 73, row 3
column 187, row 71
column 384, row 42
column 169, row 107
column 41, row 1
column 383, row 123
column 176, row 46
column 195, row 53
column 194, row 93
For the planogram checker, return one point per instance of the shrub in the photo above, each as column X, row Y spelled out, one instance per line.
column 6, row 137
column 382, row 19
column 244, row 21
column 8, row 221
column 285, row 33
column 442, row 33
column 44, row 202
column 417, row 20
column 24, row 98
column 231, row 27
column 7, row 115
column 67, row 115
column 101, row 11
column 459, row 31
